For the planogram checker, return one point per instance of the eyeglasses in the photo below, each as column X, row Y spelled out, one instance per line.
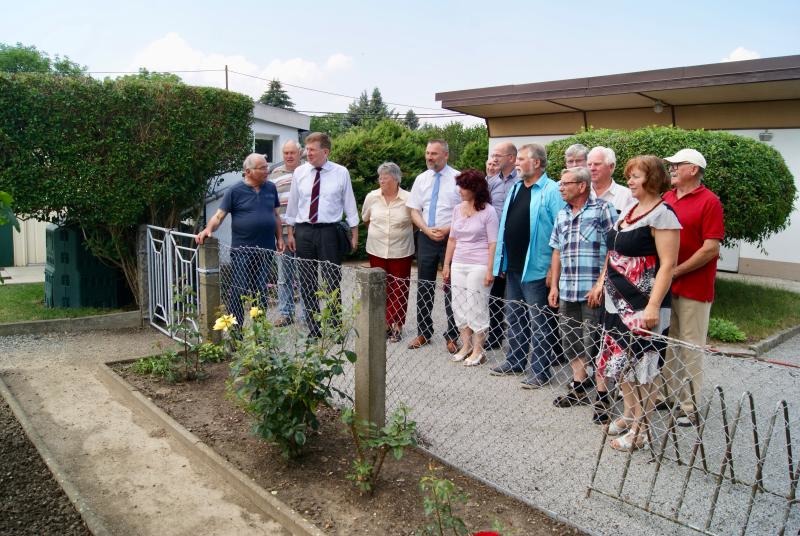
column 676, row 165
column 571, row 161
column 260, row 168
column 564, row 183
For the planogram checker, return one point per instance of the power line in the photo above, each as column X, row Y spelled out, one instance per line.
column 423, row 115
column 332, row 93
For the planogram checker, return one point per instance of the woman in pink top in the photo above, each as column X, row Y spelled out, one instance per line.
column 468, row 262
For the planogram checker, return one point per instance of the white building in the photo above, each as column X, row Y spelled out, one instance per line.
column 754, row 98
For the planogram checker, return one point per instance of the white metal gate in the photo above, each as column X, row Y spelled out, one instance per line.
column 171, row 268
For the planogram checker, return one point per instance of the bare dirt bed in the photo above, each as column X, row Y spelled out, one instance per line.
column 31, row 501
column 316, row 485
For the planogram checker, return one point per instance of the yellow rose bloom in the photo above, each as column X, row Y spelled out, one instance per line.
column 255, row 312
column 225, row 322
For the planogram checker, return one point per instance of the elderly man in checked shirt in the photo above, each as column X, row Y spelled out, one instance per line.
column 579, row 251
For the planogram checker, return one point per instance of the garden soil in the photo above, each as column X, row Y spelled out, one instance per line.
column 316, row 485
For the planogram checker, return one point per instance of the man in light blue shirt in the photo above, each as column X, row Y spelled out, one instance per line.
column 523, row 254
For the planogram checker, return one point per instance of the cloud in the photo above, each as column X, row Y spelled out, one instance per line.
column 741, row 53
column 173, row 53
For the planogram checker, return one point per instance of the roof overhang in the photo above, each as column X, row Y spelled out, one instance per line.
column 768, row 79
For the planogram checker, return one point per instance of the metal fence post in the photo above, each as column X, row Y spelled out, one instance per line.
column 143, row 297
column 208, row 290
column 370, row 374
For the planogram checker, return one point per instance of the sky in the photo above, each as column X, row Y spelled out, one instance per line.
column 410, row 50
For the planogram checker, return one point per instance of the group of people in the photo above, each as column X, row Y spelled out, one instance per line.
column 621, row 266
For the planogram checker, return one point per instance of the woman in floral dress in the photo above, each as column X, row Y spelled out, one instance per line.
column 642, row 251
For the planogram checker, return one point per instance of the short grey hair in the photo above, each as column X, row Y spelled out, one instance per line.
column 536, row 151
column 292, row 142
column 390, row 168
column 249, row 161
column 441, row 142
column 609, row 156
column 577, row 149
column 581, row 174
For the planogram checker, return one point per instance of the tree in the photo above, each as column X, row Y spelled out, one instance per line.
column 366, row 110
column 411, row 121
column 276, row 96
column 153, row 76
column 108, row 156
column 751, row 178
column 331, row 124
column 28, row 59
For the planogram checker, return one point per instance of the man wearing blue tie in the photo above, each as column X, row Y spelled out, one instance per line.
column 432, row 199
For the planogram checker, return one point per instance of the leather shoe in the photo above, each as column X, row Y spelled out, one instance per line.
column 504, row 369
column 284, row 321
column 452, row 346
column 418, row 342
column 532, row 382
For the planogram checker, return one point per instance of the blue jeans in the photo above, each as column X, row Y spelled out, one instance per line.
column 250, row 273
column 531, row 326
column 286, row 269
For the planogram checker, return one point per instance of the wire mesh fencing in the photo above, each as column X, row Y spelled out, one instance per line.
column 714, row 452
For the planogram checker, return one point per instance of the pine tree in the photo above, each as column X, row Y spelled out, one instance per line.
column 276, row 96
column 411, row 120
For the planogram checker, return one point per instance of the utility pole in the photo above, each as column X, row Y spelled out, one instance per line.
column 226, row 78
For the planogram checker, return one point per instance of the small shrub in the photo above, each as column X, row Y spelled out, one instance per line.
column 441, row 495
column 210, row 353
column 372, row 445
column 161, row 365
column 725, row 331
column 281, row 377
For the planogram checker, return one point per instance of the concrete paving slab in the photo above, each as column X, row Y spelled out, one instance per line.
column 22, row 274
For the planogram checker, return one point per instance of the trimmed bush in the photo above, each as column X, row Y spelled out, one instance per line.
column 108, row 156
column 751, row 178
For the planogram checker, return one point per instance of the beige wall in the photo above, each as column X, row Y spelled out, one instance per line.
column 29, row 243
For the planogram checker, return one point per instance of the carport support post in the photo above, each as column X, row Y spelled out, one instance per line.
column 371, row 346
column 208, row 297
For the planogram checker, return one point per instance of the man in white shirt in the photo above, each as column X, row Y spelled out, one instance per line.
column 320, row 195
column 602, row 162
column 432, row 199
column 281, row 177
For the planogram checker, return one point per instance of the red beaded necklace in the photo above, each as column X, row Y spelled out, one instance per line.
column 630, row 220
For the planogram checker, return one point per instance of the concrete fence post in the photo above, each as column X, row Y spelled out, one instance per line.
column 370, row 377
column 208, row 290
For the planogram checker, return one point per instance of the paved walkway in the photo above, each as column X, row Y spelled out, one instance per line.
column 22, row 274
column 135, row 478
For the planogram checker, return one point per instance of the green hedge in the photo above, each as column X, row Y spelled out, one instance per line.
column 751, row 178
column 108, row 156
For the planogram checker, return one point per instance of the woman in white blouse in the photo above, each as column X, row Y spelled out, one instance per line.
column 390, row 242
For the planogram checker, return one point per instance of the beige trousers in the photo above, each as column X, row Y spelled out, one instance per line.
column 684, row 366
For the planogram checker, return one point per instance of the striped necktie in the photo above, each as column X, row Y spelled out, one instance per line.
column 313, row 213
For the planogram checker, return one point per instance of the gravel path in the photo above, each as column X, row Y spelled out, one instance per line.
column 32, row 501
column 136, row 479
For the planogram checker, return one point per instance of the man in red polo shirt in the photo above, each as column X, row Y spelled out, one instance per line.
column 700, row 213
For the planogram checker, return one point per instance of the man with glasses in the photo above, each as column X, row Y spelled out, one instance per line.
column 576, row 155
column 503, row 158
column 255, row 229
column 700, row 213
column 579, row 251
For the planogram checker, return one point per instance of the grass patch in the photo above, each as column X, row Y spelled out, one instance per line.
column 25, row 301
column 756, row 310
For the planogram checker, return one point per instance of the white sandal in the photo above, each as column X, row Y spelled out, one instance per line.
column 615, row 429
column 629, row 442
column 460, row 357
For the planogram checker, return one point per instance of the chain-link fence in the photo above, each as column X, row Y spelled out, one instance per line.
column 721, row 459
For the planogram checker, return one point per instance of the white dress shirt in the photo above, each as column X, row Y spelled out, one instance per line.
column 335, row 195
column 421, row 191
column 617, row 195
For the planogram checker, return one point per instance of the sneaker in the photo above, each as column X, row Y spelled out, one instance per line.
column 532, row 382
column 573, row 397
column 504, row 369
column 685, row 420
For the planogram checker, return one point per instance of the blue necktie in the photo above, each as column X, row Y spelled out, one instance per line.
column 434, row 200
